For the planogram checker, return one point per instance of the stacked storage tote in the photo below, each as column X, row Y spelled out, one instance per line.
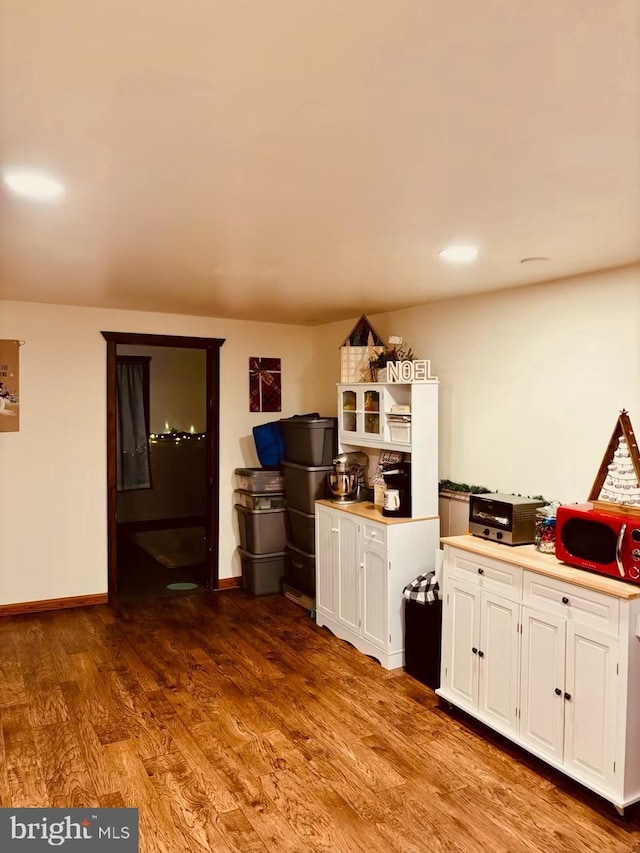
column 261, row 522
column 310, row 446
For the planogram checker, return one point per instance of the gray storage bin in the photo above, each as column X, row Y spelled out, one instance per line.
column 301, row 529
column 300, row 570
column 262, row 531
column 259, row 479
column 310, row 441
column 261, row 573
column 260, row 500
column 305, row 484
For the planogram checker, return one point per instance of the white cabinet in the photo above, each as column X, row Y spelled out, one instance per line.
column 482, row 666
column 542, row 682
column 395, row 416
column 499, row 661
column 590, row 704
column 362, row 567
column 551, row 664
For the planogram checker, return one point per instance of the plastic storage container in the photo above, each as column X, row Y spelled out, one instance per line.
column 305, row 484
column 260, row 500
column 300, row 570
column 262, row 531
column 261, row 574
column 310, row 441
column 422, row 642
column 301, row 527
column 259, row 479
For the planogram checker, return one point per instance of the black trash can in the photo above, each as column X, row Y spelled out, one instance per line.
column 423, row 630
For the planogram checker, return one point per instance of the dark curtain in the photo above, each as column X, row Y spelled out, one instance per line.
column 132, row 438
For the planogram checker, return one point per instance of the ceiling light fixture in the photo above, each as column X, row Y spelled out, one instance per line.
column 459, row 254
column 32, row 184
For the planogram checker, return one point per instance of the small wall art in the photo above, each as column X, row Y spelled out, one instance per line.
column 265, row 384
column 9, row 390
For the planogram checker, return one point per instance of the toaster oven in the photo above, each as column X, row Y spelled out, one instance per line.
column 504, row 518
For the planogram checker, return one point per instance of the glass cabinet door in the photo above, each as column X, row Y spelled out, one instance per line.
column 348, row 412
column 372, row 412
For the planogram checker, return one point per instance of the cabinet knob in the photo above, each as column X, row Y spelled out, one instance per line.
column 373, row 534
column 558, row 692
column 567, row 696
column 480, row 571
column 334, row 529
column 480, row 654
column 565, row 600
column 474, row 650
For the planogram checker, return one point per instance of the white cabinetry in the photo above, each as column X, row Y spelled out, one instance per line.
column 395, row 416
column 362, row 566
column 546, row 660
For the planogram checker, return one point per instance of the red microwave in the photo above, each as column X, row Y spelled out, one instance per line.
column 599, row 541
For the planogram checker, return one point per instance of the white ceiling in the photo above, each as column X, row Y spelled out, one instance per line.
column 305, row 160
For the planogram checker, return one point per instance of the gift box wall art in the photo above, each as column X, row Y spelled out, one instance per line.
column 265, row 384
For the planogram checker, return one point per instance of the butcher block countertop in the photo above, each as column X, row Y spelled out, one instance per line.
column 529, row 558
column 365, row 509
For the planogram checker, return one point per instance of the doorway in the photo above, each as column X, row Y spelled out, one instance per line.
column 162, row 464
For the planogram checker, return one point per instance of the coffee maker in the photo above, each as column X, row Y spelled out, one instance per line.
column 347, row 481
column 397, row 491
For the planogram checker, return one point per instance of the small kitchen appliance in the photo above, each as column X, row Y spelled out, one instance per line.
column 397, row 494
column 347, row 481
column 503, row 518
column 604, row 542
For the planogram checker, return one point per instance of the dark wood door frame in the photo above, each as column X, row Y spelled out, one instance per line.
column 211, row 346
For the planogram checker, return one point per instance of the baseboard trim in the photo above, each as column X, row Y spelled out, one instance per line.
column 229, row 583
column 52, row 604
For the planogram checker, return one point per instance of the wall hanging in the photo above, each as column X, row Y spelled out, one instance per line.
column 265, row 384
column 9, row 391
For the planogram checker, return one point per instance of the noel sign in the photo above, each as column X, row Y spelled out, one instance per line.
column 410, row 371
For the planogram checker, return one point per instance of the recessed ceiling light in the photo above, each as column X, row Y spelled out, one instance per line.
column 33, row 184
column 533, row 259
column 459, row 254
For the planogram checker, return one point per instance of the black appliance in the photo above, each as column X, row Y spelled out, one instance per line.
column 397, row 479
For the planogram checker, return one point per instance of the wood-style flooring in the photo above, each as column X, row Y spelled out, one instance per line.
column 236, row 724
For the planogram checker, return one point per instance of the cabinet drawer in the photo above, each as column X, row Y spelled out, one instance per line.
column 374, row 534
column 488, row 574
column 583, row 606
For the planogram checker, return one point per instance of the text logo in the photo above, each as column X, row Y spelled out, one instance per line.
column 36, row 830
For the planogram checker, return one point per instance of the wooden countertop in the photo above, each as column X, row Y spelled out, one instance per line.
column 365, row 509
column 545, row 564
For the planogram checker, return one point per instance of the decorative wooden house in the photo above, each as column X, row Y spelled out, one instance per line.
column 361, row 346
column 617, row 485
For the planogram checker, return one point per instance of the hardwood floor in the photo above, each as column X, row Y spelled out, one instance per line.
column 235, row 724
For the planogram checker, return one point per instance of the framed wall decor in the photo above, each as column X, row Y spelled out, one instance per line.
column 9, row 386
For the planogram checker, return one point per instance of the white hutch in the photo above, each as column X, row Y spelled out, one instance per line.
column 364, row 560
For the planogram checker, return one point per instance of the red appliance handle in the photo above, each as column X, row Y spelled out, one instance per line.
column 623, row 529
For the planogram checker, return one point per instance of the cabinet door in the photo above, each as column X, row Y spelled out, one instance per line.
column 326, row 559
column 590, row 703
column 372, row 412
column 542, row 680
column 462, row 636
column 348, row 585
column 499, row 655
column 348, row 410
column 374, row 595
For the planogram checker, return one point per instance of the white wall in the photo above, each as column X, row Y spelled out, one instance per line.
column 177, row 387
column 53, row 530
column 532, row 379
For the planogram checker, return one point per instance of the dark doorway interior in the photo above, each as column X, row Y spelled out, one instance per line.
column 163, row 454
